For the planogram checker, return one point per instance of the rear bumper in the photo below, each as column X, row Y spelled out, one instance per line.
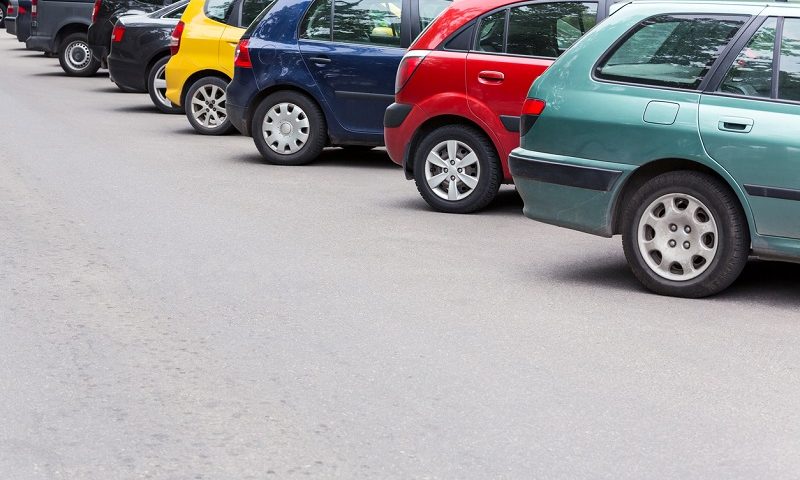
column 238, row 117
column 568, row 192
column 240, row 94
column 11, row 26
column 126, row 73
column 42, row 44
column 400, row 123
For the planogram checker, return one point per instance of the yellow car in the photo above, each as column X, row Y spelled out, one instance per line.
column 201, row 66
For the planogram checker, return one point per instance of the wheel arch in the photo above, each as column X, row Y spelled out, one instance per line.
column 67, row 30
column 197, row 76
column 657, row 167
column 429, row 126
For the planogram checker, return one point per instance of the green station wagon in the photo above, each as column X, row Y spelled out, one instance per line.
column 676, row 125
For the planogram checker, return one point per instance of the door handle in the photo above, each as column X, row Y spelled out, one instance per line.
column 490, row 76
column 736, row 124
column 320, row 60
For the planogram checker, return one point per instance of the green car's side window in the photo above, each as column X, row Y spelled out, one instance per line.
column 789, row 76
column 670, row 50
column 751, row 72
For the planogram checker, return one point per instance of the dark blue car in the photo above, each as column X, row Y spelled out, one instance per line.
column 317, row 73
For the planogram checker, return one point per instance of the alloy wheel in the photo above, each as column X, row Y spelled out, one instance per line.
column 452, row 170
column 208, row 106
column 286, row 128
column 160, row 85
column 78, row 55
column 678, row 237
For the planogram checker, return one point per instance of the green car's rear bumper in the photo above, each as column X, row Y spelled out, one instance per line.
column 569, row 192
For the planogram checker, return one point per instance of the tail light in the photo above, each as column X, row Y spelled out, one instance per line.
column 21, row 11
column 531, row 109
column 118, row 33
column 412, row 60
column 175, row 39
column 96, row 9
column 34, row 9
column 10, row 11
column 242, row 56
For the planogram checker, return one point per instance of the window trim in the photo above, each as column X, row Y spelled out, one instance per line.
column 712, row 70
column 404, row 43
column 600, row 15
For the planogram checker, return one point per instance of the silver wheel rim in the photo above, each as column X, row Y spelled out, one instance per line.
column 678, row 237
column 160, row 85
column 78, row 55
column 286, row 128
column 2, row 14
column 208, row 106
column 452, row 170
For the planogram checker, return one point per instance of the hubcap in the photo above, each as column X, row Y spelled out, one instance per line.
column 678, row 237
column 208, row 106
column 78, row 55
column 160, row 85
column 286, row 128
column 452, row 170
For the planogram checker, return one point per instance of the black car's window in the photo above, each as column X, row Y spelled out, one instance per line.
column 219, row 10
column 492, row 32
column 317, row 23
column 548, row 29
column 751, row 72
column 789, row 75
column 177, row 13
column 252, row 8
column 374, row 22
column 429, row 10
column 670, row 50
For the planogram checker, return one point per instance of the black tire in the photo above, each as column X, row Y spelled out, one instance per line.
column 489, row 178
column 732, row 237
column 164, row 105
column 197, row 116
column 317, row 129
column 72, row 54
column 3, row 12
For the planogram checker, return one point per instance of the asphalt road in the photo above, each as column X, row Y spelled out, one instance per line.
column 173, row 308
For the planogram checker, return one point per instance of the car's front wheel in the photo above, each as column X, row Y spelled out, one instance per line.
column 457, row 170
column 157, row 87
column 75, row 56
column 205, row 106
column 289, row 129
column 685, row 235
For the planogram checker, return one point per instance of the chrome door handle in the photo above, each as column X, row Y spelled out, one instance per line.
column 736, row 124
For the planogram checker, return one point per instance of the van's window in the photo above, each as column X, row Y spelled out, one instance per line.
column 252, row 8
column 492, row 32
column 548, row 29
column 751, row 72
column 671, row 50
column 317, row 24
column 367, row 21
column 789, row 76
column 429, row 10
column 219, row 10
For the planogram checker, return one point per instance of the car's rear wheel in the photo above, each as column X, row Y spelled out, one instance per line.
column 205, row 106
column 3, row 15
column 457, row 170
column 75, row 56
column 685, row 235
column 157, row 87
column 289, row 129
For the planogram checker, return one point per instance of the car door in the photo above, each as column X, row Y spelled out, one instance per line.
column 514, row 46
column 749, row 124
column 354, row 66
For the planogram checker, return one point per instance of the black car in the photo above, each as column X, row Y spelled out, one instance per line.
column 105, row 15
column 18, row 22
column 3, row 9
column 9, row 16
column 140, row 52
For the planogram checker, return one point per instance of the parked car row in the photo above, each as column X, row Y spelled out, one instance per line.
column 674, row 124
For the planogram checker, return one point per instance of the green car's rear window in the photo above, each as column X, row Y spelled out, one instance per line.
column 670, row 50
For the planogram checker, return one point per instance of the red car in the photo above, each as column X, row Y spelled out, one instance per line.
column 460, row 91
